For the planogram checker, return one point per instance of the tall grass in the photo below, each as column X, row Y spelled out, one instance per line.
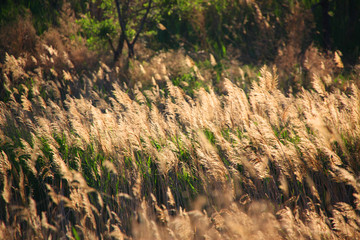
column 83, row 156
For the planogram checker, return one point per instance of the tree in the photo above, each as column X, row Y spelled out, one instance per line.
column 118, row 22
column 123, row 12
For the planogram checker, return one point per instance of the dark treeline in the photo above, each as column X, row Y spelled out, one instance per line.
column 251, row 31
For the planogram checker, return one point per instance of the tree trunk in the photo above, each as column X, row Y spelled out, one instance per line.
column 120, row 48
column 131, row 50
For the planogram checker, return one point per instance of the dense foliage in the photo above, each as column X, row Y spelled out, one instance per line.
column 256, row 29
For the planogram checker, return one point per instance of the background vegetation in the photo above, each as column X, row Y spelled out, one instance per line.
column 230, row 120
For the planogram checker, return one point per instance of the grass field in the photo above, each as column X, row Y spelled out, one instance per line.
column 186, row 149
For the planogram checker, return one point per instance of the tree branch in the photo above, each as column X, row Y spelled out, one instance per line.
column 111, row 44
column 142, row 23
column 122, row 21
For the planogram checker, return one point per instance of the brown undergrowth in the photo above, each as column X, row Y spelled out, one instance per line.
column 177, row 155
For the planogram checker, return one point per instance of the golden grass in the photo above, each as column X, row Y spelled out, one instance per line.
column 82, row 156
